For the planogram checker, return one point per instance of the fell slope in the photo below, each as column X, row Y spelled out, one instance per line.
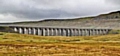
column 110, row 20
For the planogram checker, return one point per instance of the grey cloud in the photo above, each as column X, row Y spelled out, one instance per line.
column 116, row 2
column 39, row 9
column 36, row 13
column 25, row 11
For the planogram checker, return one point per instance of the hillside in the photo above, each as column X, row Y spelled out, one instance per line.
column 110, row 20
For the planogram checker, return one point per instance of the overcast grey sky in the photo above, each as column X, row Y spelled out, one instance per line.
column 27, row 10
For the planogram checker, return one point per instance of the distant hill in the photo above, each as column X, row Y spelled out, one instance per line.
column 110, row 20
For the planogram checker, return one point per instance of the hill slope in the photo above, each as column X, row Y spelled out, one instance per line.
column 110, row 20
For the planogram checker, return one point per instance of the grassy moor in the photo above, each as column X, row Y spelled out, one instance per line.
column 12, row 44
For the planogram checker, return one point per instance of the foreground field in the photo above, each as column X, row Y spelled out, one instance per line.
column 61, row 49
column 29, row 45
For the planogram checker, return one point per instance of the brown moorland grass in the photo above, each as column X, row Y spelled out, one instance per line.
column 12, row 44
column 61, row 49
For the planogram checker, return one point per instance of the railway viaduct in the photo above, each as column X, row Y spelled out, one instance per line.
column 57, row 31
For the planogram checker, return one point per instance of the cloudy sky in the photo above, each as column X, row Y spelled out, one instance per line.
column 27, row 10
